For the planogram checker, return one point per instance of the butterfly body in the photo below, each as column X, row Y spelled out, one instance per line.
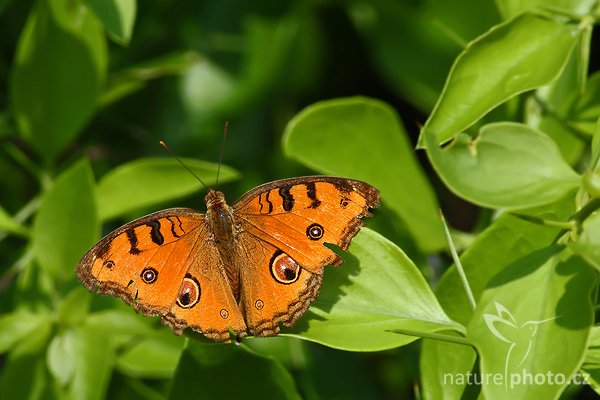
column 246, row 267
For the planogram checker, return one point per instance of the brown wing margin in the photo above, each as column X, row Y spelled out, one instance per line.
column 367, row 191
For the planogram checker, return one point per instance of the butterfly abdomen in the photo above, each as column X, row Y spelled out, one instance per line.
column 220, row 220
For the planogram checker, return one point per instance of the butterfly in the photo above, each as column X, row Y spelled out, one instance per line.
column 241, row 268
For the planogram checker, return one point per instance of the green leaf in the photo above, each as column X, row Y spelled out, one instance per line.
column 413, row 44
column 8, row 224
column 150, row 181
column 442, row 365
column 117, row 16
column 17, row 326
column 74, row 307
column 92, row 365
column 363, row 138
column 61, row 357
column 377, row 289
column 230, row 372
column 512, row 8
column 508, row 165
column 591, row 364
column 58, row 72
column 527, row 52
column 548, row 108
column 66, row 224
column 118, row 322
column 134, row 78
column 588, row 242
column 525, row 311
column 585, row 111
column 507, row 239
column 206, row 87
column 152, row 357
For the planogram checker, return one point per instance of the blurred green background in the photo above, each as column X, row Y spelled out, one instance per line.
column 105, row 80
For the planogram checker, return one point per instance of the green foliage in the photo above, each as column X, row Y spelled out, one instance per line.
column 379, row 289
column 330, row 136
column 509, row 147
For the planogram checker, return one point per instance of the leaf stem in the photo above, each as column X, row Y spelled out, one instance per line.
column 586, row 210
column 459, row 267
column 435, row 336
column 566, row 225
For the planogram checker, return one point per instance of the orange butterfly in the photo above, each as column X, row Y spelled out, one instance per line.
column 247, row 267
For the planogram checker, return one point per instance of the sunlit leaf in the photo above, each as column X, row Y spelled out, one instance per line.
column 152, row 357
column 507, row 239
column 588, row 242
column 527, row 52
column 512, row 8
column 376, row 290
column 363, row 139
column 527, row 310
column 148, row 181
column 66, row 224
column 508, row 165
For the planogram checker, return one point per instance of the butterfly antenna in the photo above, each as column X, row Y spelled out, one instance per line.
column 225, row 130
column 168, row 150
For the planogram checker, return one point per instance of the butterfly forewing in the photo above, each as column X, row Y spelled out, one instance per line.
column 299, row 215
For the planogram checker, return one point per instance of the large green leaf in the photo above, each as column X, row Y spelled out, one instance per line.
column 149, row 181
column 513, row 57
column 508, row 165
column 117, row 16
column 230, row 372
column 505, row 240
column 92, row 364
column 58, row 73
column 66, row 224
column 524, row 318
column 363, row 138
column 377, row 289
column 413, row 44
column 444, row 370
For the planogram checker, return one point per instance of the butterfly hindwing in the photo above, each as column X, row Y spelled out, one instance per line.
column 275, row 289
column 206, row 302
